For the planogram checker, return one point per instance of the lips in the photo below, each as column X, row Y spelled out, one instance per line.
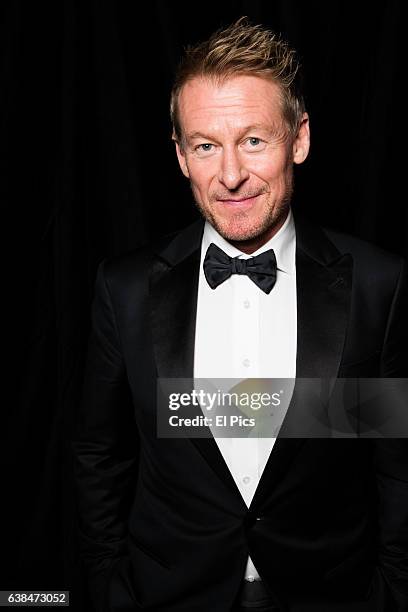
column 239, row 202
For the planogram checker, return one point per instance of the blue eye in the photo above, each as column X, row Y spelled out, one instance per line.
column 256, row 144
column 204, row 146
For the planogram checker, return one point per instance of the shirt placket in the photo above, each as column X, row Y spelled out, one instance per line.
column 246, row 328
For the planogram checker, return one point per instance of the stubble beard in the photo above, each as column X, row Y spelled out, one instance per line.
column 242, row 228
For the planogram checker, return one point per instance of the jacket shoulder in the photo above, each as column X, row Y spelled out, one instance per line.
column 369, row 259
column 134, row 265
column 359, row 247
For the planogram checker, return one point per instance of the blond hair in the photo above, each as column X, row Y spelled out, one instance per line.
column 242, row 48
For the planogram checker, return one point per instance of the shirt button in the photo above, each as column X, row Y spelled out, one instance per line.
column 247, row 303
column 246, row 363
column 246, row 479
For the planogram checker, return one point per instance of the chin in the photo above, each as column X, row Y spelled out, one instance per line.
column 231, row 231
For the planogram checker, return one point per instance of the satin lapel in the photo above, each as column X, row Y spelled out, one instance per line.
column 174, row 280
column 323, row 279
column 173, row 299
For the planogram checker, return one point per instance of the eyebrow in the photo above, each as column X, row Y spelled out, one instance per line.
column 244, row 130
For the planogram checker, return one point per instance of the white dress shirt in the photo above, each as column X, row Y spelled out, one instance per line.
column 242, row 332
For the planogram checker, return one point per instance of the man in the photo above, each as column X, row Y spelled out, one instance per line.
column 250, row 291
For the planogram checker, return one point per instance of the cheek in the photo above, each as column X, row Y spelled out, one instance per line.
column 270, row 171
column 275, row 173
column 201, row 177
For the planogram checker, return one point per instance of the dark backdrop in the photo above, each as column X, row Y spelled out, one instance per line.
column 88, row 171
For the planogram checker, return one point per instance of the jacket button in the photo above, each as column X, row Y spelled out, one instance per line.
column 250, row 519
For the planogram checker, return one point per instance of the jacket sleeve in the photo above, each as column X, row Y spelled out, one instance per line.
column 105, row 448
column 391, row 457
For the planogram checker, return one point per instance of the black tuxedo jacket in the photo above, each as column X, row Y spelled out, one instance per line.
column 162, row 523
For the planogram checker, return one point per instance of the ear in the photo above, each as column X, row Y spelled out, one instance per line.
column 301, row 143
column 181, row 156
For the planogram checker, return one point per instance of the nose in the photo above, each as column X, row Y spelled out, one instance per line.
column 232, row 172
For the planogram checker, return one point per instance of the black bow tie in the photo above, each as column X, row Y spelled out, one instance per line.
column 218, row 266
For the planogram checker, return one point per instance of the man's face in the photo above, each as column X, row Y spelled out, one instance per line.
column 238, row 154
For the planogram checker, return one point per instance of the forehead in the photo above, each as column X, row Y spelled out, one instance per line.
column 240, row 100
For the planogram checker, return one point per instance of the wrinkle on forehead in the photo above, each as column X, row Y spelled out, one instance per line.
column 240, row 101
column 275, row 131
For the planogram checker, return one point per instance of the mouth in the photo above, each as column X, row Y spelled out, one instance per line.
column 239, row 202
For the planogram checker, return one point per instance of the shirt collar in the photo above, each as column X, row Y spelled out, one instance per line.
column 283, row 243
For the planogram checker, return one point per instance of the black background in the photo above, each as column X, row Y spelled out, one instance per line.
column 88, row 170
